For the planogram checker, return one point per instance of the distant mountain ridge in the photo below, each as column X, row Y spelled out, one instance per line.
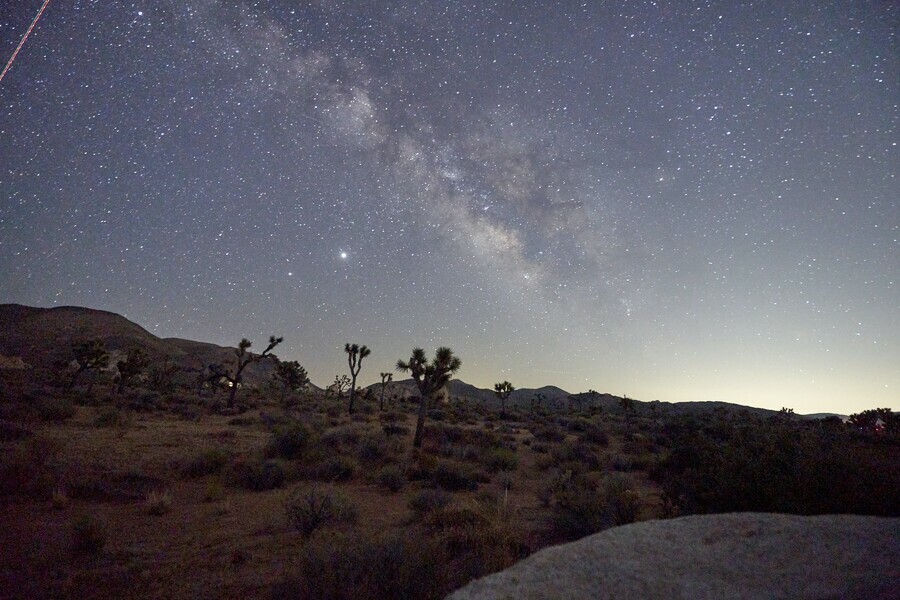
column 42, row 337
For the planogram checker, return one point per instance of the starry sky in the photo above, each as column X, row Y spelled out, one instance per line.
column 671, row 200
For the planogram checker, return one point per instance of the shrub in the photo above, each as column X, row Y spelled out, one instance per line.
column 110, row 417
column 428, row 500
column 289, row 442
column 258, row 476
column 88, row 535
column 595, row 434
column 55, row 409
column 311, row 509
column 501, row 459
column 578, row 453
column 214, row 491
column 622, row 503
column 28, row 468
column 455, row 477
column 372, row 447
column 158, row 502
column 340, row 566
column 549, row 434
column 392, row 478
column 486, row 532
column 337, row 468
column 207, row 462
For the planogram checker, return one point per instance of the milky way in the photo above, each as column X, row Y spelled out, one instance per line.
column 675, row 201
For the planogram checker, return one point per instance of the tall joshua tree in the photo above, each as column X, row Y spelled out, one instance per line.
column 430, row 378
column 355, row 356
column 90, row 356
column 133, row 365
column 502, row 391
column 244, row 358
column 386, row 378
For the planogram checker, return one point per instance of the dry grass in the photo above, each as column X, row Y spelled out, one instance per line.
column 165, row 519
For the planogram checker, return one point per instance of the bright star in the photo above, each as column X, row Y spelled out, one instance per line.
column 343, row 255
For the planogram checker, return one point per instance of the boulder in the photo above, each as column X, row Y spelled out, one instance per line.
column 736, row 556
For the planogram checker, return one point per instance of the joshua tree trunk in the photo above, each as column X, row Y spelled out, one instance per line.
column 420, row 423
column 352, row 392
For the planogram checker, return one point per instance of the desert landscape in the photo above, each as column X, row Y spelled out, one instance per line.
column 161, row 484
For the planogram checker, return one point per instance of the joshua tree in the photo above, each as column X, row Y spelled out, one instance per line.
column 341, row 383
column 133, row 365
column 429, row 378
column 355, row 356
column 244, row 358
column 292, row 376
column 502, row 391
column 386, row 378
column 627, row 406
column 90, row 356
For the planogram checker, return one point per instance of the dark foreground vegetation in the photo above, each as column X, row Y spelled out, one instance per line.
column 158, row 489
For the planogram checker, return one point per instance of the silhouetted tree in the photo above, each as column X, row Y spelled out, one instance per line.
column 875, row 420
column 340, row 383
column 133, row 365
column 90, row 356
column 502, row 391
column 244, row 358
column 355, row 356
column 386, row 378
column 627, row 405
column 292, row 376
column 162, row 375
column 429, row 378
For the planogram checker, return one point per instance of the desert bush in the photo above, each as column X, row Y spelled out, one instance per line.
column 214, row 491
column 158, row 502
column 428, row 500
column 455, row 477
column 487, row 530
column 621, row 501
column 29, row 467
column 345, row 437
column 346, row 566
column 208, row 462
column 308, row 510
column 394, row 429
column 595, row 434
column 549, row 433
column 577, row 454
column 579, row 510
column 779, row 465
column 373, row 447
column 289, row 441
column 336, row 468
column 55, row 409
column 392, row 478
column 501, row 459
column 422, row 466
column 110, row 416
column 88, row 535
column 257, row 475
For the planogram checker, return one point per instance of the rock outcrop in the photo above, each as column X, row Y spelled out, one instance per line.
column 736, row 556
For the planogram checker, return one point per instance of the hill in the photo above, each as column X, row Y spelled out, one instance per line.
column 44, row 337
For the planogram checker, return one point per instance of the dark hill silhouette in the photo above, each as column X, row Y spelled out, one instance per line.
column 43, row 337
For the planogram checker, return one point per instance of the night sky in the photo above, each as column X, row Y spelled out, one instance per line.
column 670, row 200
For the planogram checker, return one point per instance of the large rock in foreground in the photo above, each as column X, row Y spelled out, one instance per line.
column 736, row 556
